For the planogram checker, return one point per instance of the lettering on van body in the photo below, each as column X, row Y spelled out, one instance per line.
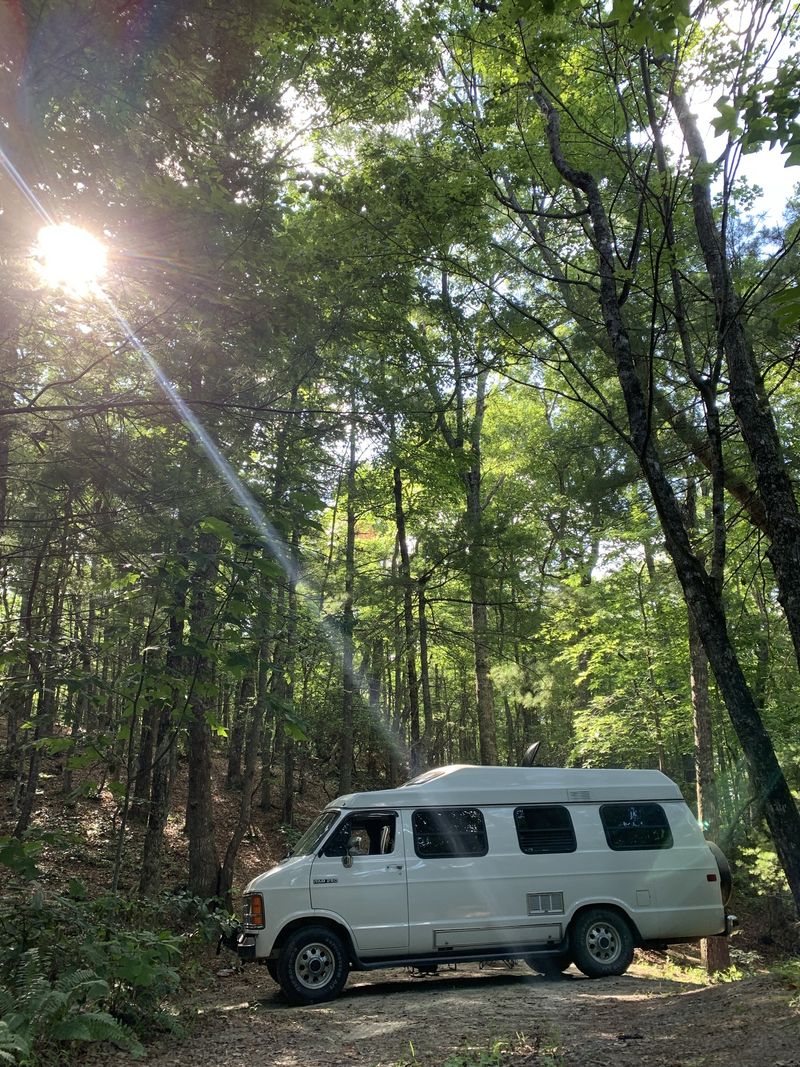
column 325, row 881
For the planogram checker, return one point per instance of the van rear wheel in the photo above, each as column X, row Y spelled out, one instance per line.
column 313, row 965
column 550, row 966
column 602, row 943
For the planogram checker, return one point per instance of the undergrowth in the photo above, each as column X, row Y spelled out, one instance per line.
column 788, row 972
column 74, row 970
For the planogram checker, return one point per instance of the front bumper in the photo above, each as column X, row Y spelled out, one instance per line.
column 236, row 940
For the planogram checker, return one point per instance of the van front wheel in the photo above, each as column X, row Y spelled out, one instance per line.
column 312, row 965
column 602, row 943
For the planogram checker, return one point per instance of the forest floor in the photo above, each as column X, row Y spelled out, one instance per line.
column 394, row 1019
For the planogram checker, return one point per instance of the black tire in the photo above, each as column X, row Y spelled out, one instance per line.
column 550, row 966
column 601, row 941
column 272, row 969
column 313, row 965
column 724, row 868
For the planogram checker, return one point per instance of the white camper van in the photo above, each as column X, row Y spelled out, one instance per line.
column 478, row 863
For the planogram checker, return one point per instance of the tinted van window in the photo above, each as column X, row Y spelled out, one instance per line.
column 440, row 832
column 630, row 827
column 544, row 829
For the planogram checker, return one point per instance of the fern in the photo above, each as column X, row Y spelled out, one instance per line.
column 38, row 1012
column 84, row 983
column 13, row 1046
column 95, row 1026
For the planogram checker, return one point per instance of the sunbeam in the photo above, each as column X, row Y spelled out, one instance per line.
column 74, row 261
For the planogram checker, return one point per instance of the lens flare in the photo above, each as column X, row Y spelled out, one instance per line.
column 70, row 258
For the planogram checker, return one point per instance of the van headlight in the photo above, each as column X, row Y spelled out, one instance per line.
column 253, row 911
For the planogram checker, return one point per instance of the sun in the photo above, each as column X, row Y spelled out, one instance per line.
column 70, row 258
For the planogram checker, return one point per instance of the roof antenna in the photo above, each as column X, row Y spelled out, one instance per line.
column 531, row 753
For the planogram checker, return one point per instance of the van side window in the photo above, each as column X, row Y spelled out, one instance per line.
column 629, row 827
column 365, row 834
column 544, row 829
column 440, row 832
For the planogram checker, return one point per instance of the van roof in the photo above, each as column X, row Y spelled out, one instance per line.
column 462, row 785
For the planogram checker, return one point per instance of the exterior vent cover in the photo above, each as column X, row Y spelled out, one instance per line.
column 545, row 903
column 578, row 794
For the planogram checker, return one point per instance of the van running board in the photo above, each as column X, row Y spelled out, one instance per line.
column 447, row 956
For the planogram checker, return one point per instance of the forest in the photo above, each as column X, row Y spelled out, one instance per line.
column 383, row 385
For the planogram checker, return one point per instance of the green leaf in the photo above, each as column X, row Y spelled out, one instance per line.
column 786, row 306
column 223, row 530
column 54, row 745
column 727, row 120
column 270, row 568
column 18, row 855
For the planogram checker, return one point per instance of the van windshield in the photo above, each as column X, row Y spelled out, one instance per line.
column 313, row 836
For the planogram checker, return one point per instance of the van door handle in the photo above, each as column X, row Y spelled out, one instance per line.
column 395, row 867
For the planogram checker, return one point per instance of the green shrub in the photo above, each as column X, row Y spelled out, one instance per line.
column 74, row 970
column 39, row 1015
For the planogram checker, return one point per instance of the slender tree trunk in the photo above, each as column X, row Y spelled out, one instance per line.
column 396, row 724
column 287, row 690
column 252, row 751
column 203, row 858
column 348, row 621
column 165, row 755
column 131, row 760
column 428, row 739
column 487, row 723
column 268, row 720
column 82, row 704
column 378, row 735
column 715, row 951
column 238, row 731
column 415, row 754
column 45, row 714
column 144, row 764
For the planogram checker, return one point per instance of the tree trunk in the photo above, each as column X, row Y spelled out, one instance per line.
column 699, row 589
column 396, row 712
column 748, row 395
column 287, row 688
column 348, row 622
column 234, row 779
column 203, row 858
column 487, row 724
column 144, row 764
column 428, row 741
column 252, row 751
column 44, row 675
column 165, row 755
column 415, row 754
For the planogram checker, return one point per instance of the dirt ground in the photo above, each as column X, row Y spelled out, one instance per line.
column 392, row 1018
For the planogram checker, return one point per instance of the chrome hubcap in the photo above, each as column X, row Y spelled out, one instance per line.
column 603, row 942
column 314, row 965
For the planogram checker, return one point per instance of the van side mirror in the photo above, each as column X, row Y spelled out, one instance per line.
column 347, row 860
